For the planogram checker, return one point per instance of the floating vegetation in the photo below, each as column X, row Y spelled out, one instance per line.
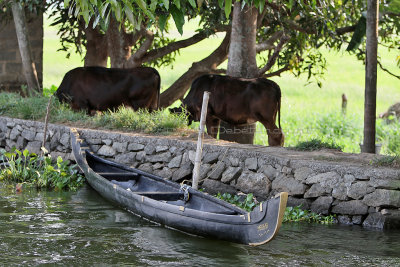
column 41, row 171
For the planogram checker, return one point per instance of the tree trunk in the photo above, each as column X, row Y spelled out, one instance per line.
column 178, row 89
column 118, row 49
column 96, row 47
column 242, row 63
column 371, row 77
column 28, row 64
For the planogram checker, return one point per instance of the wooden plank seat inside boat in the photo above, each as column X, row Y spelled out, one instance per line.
column 120, row 176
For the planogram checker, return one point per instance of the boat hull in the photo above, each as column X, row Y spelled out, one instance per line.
column 227, row 222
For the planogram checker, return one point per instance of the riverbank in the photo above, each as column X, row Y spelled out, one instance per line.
column 327, row 182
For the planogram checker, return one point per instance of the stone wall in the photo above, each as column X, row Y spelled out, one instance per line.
column 11, row 73
column 357, row 193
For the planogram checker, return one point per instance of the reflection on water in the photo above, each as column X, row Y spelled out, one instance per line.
column 80, row 228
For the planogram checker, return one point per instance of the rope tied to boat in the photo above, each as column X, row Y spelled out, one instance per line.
column 185, row 190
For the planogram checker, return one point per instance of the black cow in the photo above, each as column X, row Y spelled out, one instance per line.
column 98, row 88
column 236, row 101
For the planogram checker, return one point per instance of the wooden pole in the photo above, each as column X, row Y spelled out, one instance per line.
column 199, row 150
column 46, row 122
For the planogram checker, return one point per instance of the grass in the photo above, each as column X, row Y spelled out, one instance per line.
column 315, row 144
column 308, row 112
column 34, row 108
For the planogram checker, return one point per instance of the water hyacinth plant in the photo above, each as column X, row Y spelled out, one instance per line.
column 29, row 168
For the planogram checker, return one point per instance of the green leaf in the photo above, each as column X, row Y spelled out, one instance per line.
column 143, row 6
column 228, row 8
column 179, row 18
column 177, row 3
column 129, row 15
column 166, row 4
column 192, row 3
column 162, row 20
column 25, row 153
column 221, row 3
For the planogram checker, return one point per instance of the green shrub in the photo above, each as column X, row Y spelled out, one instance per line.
column 25, row 167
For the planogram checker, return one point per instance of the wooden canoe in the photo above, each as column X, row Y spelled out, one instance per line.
column 176, row 206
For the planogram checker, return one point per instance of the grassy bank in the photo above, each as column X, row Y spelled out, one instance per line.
column 308, row 112
column 34, row 108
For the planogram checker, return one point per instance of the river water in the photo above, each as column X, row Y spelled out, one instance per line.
column 82, row 229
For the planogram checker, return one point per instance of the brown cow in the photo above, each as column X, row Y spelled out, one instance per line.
column 236, row 101
column 98, row 88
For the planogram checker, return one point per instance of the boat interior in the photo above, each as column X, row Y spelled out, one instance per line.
column 154, row 187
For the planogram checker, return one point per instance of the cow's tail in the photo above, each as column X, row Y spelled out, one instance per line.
column 158, row 90
column 279, row 97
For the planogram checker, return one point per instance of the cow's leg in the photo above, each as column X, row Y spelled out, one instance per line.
column 275, row 134
column 212, row 124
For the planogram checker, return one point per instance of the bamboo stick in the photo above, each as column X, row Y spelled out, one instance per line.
column 199, row 150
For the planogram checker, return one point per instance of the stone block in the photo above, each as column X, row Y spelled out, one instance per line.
column 120, row 146
column 163, row 157
column 164, row 173
column 149, row 149
column 324, row 178
column 344, row 219
column 106, row 151
column 288, row 184
column 231, row 173
column 175, row 162
column 204, row 170
column 107, row 142
column 352, row 207
column 322, row 205
column 184, row 171
column 28, row 135
column 234, row 161
column 34, row 147
column 146, row 167
column 161, row 148
column 359, row 189
column 295, row 202
column 269, row 171
column 383, row 197
column 126, row 158
column 135, row 147
column 381, row 183
column 251, row 164
column 14, row 134
column 256, row 183
column 316, row 190
column 158, row 165
column 214, row 187
column 301, row 174
column 217, row 171
column 140, row 156
column 211, row 157
column 65, row 139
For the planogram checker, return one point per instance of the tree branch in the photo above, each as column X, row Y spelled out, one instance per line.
column 160, row 52
column 387, row 71
column 276, row 73
column 272, row 59
column 269, row 44
column 178, row 89
column 137, row 58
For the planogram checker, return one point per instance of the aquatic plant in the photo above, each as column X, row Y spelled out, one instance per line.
column 296, row 214
column 25, row 167
column 246, row 202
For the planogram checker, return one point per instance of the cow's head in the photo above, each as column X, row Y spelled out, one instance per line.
column 182, row 110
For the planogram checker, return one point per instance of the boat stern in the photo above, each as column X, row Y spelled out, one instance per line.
column 269, row 216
